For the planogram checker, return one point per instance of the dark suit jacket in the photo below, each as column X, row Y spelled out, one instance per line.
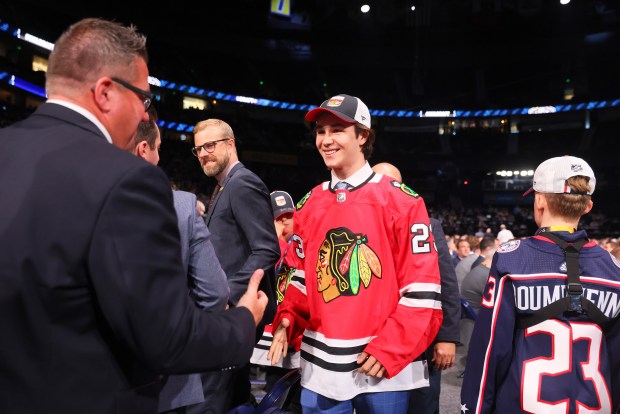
column 93, row 297
column 241, row 224
column 450, row 295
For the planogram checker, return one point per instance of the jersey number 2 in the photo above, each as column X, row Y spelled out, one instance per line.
column 419, row 241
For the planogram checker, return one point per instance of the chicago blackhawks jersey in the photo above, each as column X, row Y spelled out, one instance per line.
column 367, row 279
column 566, row 364
column 285, row 268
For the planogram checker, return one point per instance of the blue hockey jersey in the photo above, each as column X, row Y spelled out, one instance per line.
column 566, row 364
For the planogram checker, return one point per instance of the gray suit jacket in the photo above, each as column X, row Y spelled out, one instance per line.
column 240, row 220
column 207, row 286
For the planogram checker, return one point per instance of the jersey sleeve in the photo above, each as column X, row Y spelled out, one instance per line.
column 491, row 346
column 294, row 307
column 417, row 316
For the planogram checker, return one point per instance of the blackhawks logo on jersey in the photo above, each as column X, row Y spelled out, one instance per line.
column 405, row 189
column 303, row 200
column 283, row 278
column 344, row 261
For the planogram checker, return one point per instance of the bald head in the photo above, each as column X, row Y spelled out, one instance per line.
column 389, row 170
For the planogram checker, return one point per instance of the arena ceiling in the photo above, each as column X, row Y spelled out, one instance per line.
column 447, row 54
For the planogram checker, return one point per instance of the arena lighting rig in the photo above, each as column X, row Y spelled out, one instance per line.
column 270, row 103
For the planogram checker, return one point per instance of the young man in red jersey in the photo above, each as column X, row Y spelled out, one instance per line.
column 366, row 292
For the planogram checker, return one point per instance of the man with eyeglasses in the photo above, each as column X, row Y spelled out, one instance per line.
column 94, row 305
column 240, row 220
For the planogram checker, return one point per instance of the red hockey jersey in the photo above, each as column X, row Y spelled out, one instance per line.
column 367, row 280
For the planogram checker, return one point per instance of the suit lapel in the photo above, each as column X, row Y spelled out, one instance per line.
column 232, row 172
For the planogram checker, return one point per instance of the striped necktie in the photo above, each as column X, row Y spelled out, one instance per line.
column 343, row 185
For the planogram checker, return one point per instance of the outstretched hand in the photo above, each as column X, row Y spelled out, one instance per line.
column 279, row 344
column 253, row 299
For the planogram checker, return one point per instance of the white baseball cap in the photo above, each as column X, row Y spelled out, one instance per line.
column 551, row 175
column 346, row 107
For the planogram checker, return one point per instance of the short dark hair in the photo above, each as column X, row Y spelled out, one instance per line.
column 487, row 242
column 147, row 131
column 368, row 146
column 92, row 48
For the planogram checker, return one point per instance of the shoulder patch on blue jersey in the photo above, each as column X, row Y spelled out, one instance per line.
column 405, row 189
column 303, row 200
column 509, row 246
column 613, row 259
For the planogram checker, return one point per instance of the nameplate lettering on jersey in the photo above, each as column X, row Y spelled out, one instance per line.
column 532, row 298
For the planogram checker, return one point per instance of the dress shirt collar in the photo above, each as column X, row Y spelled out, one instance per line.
column 357, row 179
column 230, row 167
column 88, row 115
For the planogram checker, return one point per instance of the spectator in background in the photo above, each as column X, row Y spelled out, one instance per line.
column 504, row 234
column 472, row 287
column 241, row 222
column 534, row 351
column 364, row 295
column 283, row 219
column 474, row 260
column 94, row 304
column 205, row 278
column 463, row 250
column 441, row 354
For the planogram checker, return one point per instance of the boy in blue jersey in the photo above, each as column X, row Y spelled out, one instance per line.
column 548, row 333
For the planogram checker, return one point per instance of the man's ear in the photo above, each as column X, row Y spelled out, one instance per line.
column 540, row 202
column 101, row 92
column 141, row 149
column 364, row 133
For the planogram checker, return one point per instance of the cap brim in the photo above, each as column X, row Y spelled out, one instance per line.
column 292, row 210
column 528, row 192
column 313, row 115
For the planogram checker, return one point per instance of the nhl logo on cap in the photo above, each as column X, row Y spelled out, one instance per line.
column 552, row 175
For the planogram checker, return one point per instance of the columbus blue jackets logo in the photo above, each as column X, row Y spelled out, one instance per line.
column 303, row 200
column 405, row 189
column 509, row 246
column 343, row 262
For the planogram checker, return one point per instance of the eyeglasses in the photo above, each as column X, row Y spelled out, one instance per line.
column 147, row 97
column 207, row 146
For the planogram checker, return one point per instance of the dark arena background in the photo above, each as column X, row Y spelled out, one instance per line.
column 467, row 97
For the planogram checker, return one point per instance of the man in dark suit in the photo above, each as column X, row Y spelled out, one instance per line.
column 94, row 304
column 241, row 222
column 205, row 277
